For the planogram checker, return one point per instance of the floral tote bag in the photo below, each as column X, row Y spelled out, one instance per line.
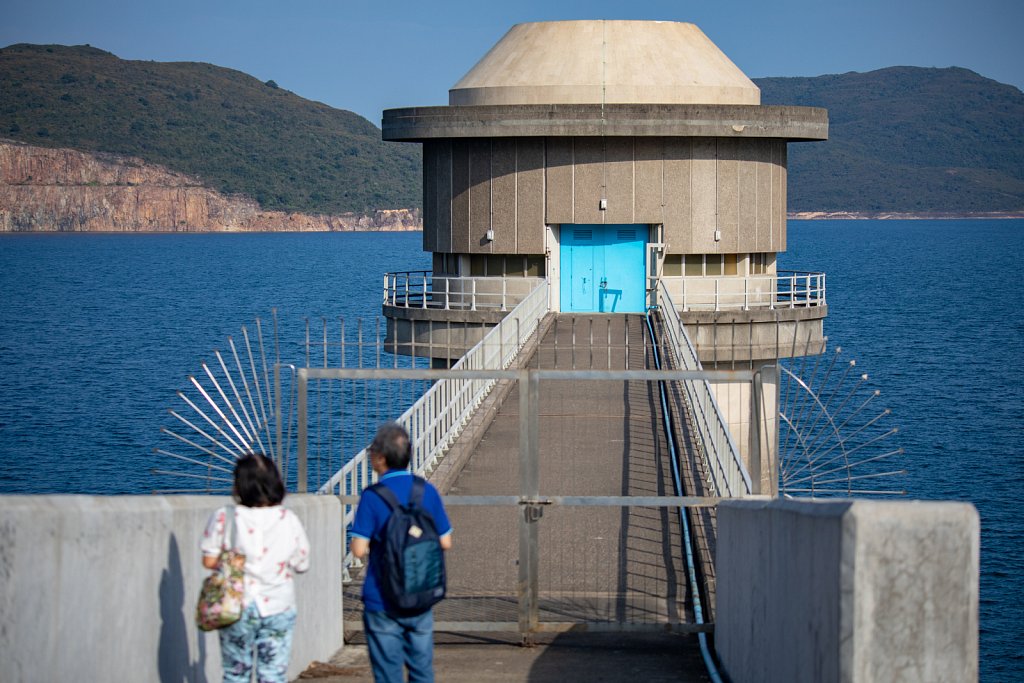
column 220, row 600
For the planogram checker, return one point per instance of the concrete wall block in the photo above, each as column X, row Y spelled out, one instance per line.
column 650, row 178
column 703, row 195
column 619, row 182
column 763, row 171
column 430, row 198
column 480, row 174
column 530, row 196
column 678, row 195
column 589, row 180
column 746, row 238
column 460, row 196
column 444, row 198
column 558, row 169
column 104, row 588
column 911, row 589
column 728, row 196
column 503, row 196
column 859, row 591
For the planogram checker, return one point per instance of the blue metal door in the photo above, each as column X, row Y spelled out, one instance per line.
column 603, row 268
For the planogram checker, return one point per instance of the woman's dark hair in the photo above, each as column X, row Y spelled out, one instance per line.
column 257, row 482
column 392, row 441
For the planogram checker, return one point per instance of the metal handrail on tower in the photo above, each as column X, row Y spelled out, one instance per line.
column 728, row 474
column 437, row 418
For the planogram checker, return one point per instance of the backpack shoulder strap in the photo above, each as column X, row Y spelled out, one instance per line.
column 386, row 494
column 419, row 485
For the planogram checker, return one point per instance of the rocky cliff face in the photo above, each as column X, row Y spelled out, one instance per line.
column 65, row 190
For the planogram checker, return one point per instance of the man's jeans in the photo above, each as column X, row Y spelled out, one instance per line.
column 394, row 641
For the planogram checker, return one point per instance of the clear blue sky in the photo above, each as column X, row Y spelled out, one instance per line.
column 369, row 56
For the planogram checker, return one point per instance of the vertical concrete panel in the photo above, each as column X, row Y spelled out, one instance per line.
column 620, row 180
column 460, row 196
column 911, row 592
column 747, row 190
column 778, row 591
column 479, row 195
column 589, row 180
column 763, row 236
column 678, row 211
column 558, row 181
column 430, row 154
column 780, row 243
column 530, row 196
column 443, row 169
column 503, row 195
column 728, row 195
column 704, row 186
column 650, row 168
column 778, row 194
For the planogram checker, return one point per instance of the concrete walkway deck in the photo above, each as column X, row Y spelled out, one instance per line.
column 599, row 565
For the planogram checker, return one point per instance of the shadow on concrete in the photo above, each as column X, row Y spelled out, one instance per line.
column 173, row 657
column 615, row 657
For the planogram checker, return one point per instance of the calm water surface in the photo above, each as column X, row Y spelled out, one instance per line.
column 97, row 332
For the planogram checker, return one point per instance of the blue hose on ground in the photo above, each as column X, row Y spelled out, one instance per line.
column 698, row 611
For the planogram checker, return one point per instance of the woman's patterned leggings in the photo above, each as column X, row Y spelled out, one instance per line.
column 269, row 638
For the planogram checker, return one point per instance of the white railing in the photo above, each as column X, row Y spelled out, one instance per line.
column 785, row 289
column 721, row 457
column 438, row 417
column 424, row 289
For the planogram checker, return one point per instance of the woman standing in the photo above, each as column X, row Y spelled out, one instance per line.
column 275, row 548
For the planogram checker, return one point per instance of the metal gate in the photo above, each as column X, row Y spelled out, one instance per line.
column 550, row 538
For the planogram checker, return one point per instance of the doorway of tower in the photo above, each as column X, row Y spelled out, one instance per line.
column 603, row 268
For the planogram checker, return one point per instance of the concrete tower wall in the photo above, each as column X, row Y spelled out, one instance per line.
column 691, row 185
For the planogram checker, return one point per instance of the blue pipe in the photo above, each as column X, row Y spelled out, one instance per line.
column 698, row 612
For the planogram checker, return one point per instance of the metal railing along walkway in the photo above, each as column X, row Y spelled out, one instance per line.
column 438, row 417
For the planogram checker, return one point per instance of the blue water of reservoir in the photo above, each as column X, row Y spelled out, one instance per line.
column 98, row 332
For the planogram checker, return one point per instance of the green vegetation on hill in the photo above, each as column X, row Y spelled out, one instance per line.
column 907, row 139
column 900, row 139
column 240, row 136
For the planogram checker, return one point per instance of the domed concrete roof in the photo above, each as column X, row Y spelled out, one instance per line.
column 604, row 62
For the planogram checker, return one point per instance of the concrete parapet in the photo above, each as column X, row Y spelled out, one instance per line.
column 847, row 591
column 103, row 588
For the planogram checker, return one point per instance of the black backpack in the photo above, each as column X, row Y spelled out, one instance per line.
column 406, row 554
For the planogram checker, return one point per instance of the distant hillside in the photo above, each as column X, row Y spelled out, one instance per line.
column 240, row 136
column 907, row 139
column 903, row 139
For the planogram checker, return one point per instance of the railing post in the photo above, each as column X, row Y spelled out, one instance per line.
column 756, row 390
column 406, row 291
column 303, row 434
column 472, row 299
column 716, row 294
column 447, row 296
column 504, row 293
column 746, row 294
column 424, row 290
column 529, row 488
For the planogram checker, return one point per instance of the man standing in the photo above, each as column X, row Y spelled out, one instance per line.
column 394, row 638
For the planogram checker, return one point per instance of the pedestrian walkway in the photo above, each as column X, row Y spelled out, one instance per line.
column 600, row 568
column 567, row 658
